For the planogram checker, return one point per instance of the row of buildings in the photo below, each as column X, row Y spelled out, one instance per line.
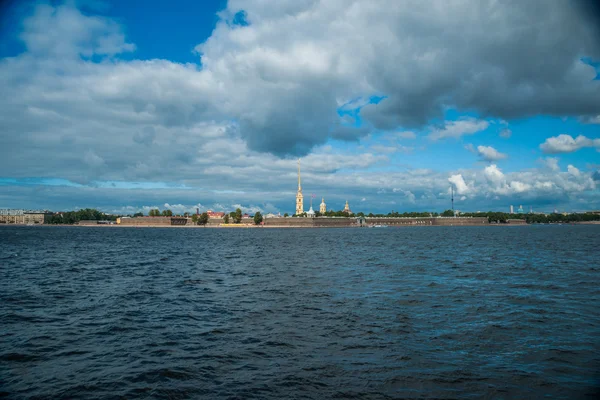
column 21, row 217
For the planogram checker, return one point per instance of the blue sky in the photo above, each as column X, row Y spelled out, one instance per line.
column 127, row 106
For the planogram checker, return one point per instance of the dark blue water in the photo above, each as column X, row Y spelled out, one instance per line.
column 431, row 312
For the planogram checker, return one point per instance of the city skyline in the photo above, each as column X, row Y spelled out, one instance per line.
column 212, row 108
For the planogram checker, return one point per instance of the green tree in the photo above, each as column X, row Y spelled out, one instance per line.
column 448, row 213
column 286, row 215
column 186, row 214
column 226, row 219
column 238, row 216
column 138, row 214
column 154, row 213
column 167, row 213
column 203, row 219
column 258, row 218
column 195, row 218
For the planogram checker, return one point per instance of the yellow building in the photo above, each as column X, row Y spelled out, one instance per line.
column 323, row 206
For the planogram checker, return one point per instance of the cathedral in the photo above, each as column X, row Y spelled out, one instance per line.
column 322, row 206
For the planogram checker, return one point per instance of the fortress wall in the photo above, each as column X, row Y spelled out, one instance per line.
column 461, row 221
column 400, row 221
column 335, row 222
column 290, row 221
column 153, row 221
column 348, row 222
column 450, row 221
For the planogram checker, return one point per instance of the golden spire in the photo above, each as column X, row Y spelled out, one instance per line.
column 299, row 186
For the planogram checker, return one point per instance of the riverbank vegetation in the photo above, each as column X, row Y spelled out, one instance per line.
column 73, row 217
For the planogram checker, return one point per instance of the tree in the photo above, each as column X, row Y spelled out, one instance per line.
column 167, row 213
column 258, row 218
column 195, row 218
column 238, row 216
column 186, row 214
column 226, row 219
column 138, row 214
column 286, row 215
column 448, row 213
column 203, row 219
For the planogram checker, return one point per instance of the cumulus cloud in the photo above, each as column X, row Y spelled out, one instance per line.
column 573, row 170
column 550, row 163
column 493, row 174
column 65, row 32
column 488, row 153
column 456, row 129
column 567, row 144
column 459, row 183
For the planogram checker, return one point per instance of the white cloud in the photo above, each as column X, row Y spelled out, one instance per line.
column 567, row 144
column 459, row 183
column 573, row 170
column 519, row 187
column 458, row 128
column 493, row 174
column 488, row 153
column 551, row 163
column 64, row 31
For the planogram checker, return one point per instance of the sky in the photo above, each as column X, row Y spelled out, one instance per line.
column 390, row 105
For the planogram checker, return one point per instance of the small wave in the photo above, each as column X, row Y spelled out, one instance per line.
column 162, row 374
column 19, row 357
